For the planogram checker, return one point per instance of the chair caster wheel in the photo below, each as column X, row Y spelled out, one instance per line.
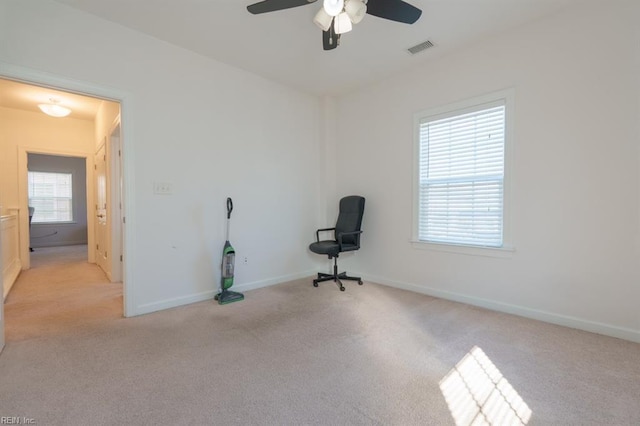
column 341, row 288
column 215, row 297
column 315, row 284
column 359, row 282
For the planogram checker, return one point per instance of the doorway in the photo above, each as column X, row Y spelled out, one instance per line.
column 115, row 237
column 57, row 198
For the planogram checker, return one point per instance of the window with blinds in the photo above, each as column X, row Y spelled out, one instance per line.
column 461, row 173
column 50, row 194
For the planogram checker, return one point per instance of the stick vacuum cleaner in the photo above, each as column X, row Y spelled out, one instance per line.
column 228, row 259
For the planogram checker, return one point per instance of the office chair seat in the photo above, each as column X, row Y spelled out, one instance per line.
column 329, row 247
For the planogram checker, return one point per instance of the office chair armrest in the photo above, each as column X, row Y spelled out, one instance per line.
column 322, row 230
column 356, row 233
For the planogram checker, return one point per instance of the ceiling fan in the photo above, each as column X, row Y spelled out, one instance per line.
column 337, row 16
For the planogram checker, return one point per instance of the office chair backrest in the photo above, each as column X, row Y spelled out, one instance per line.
column 350, row 218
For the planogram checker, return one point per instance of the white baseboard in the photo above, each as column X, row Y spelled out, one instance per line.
column 553, row 318
column 273, row 281
column 147, row 308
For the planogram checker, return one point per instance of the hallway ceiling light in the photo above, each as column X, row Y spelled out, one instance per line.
column 54, row 109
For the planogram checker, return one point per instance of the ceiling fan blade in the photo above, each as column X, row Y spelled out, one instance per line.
column 394, row 10
column 329, row 38
column 273, row 5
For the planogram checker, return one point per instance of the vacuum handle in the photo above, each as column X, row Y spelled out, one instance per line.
column 229, row 207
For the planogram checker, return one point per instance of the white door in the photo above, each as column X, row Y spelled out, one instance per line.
column 101, row 209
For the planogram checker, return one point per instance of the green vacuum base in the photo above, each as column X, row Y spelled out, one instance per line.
column 227, row 296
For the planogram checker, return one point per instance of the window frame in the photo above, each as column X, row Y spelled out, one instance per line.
column 459, row 108
column 72, row 199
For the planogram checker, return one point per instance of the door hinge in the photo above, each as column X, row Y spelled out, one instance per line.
column 104, row 157
column 95, row 167
column 106, row 254
column 119, row 153
column 97, row 247
column 120, row 258
column 124, row 219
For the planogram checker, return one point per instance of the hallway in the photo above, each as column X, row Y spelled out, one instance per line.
column 60, row 293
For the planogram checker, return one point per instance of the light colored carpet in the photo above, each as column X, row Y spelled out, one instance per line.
column 292, row 354
column 57, row 256
column 61, row 292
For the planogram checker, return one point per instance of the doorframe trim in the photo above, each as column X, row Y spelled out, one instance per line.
column 127, row 139
column 115, row 198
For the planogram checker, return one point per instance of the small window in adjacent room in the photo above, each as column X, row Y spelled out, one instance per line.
column 50, row 194
column 461, row 177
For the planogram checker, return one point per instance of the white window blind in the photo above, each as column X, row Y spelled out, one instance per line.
column 461, row 176
column 50, row 194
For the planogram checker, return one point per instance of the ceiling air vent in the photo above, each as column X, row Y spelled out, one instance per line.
column 420, row 47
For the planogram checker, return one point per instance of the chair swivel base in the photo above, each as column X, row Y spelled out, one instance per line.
column 331, row 277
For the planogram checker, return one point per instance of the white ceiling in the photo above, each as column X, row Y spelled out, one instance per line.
column 285, row 46
column 27, row 97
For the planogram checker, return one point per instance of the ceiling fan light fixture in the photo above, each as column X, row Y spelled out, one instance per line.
column 54, row 109
column 333, row 7
column 356, row 9
column 342, row 23
column 323, row 20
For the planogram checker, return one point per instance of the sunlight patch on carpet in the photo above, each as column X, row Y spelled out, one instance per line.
column 478, row 394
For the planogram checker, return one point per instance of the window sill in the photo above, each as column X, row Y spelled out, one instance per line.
column 501, row 252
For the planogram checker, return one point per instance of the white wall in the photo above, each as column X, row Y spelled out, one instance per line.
column 105, row 119
column 576, row 172
column 209, row 129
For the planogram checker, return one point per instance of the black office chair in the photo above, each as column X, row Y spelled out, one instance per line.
column 346, row 238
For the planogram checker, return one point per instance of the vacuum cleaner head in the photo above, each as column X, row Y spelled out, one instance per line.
column 226, row 296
